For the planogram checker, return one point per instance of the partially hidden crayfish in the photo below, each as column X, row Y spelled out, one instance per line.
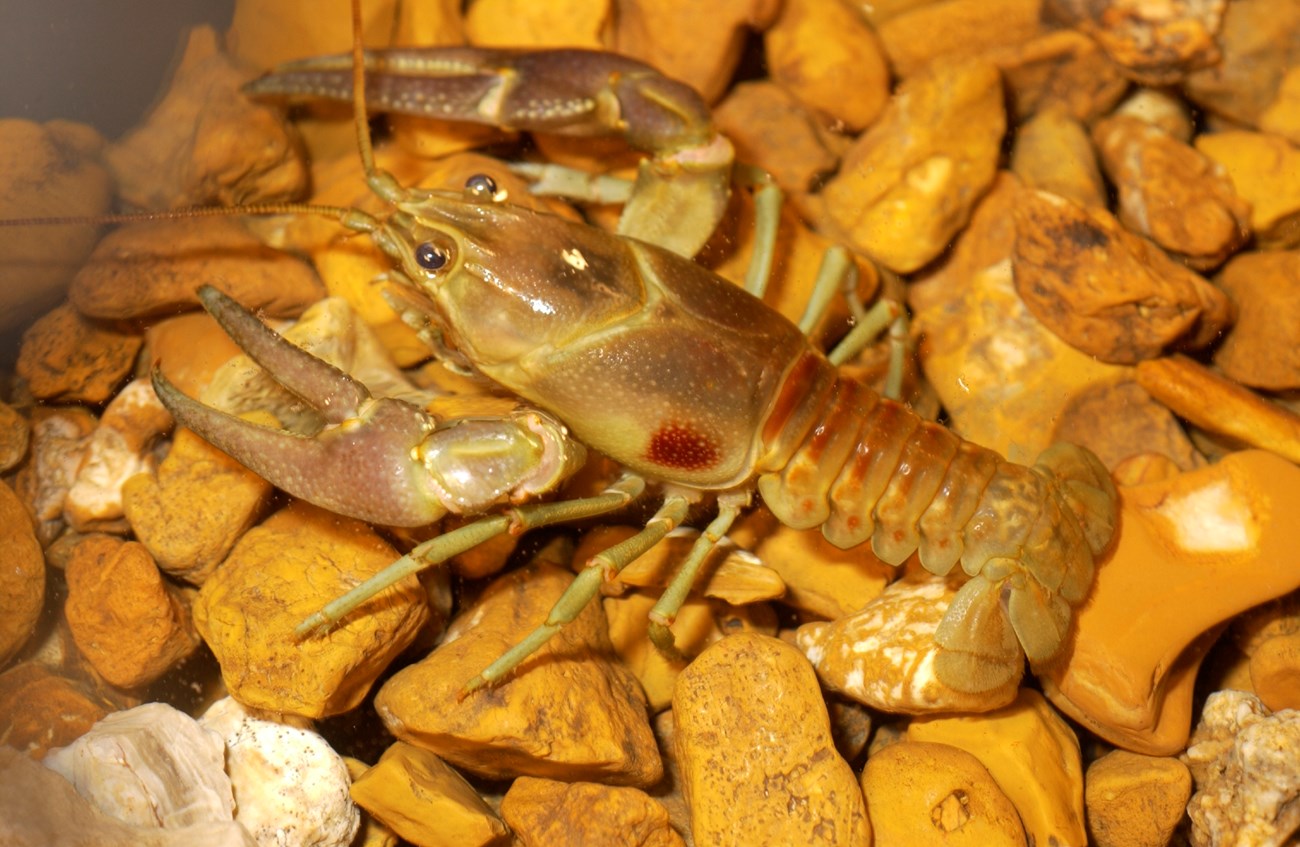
column 637, row 352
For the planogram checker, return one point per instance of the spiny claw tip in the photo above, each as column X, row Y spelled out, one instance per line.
column 470, row 687
column 316, row 624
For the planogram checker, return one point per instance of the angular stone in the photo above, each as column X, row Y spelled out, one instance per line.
column 752, row 734
column 40, row 710
column 1034, row 756
column 22, row 575
column 1260, row 351
column 1265, row 171
column 279, row 573
column 69, row 359
column 546, row 813
column 569, row 711
column 1135, row 801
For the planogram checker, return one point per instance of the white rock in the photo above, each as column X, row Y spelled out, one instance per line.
column 291, row 788
column 150, row 766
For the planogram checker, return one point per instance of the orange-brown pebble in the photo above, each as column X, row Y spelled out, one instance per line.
column 1062, row 69
column 206, row 142
column 193, row 510
column 629, row 627
column 753, row 736
column 884, row 654
column 1135, row 801
column 921, row 794
column 1034, row 756
column 41, row 710
column 68, row 359
column 773, row 131
column 1106, row 291
column 1156, row 43
column 1171, row 193
column 265, row 33
column 15, row 435
column 523, row 23
column 46, row 169
column 817, row 51
column 570, row 711
column 189, row 349
column 1220, row 405
column 1275, row 671
column 1256, row 51
column 1209, row 544
column 547, row 813
column 1265, row 170
column 927, row 31
column 1119, row 419
column 422, row 799
column 128, row 623
column 1261, row 351
column 284, row 570
column 155, row 268
column 22, row 575
column 910, row 182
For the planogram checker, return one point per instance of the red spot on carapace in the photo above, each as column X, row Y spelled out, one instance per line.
column 681, row 446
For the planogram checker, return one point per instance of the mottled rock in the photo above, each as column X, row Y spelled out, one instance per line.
column 566, row 712
column 1258, row 46
column 928, row 31
column 1261, row 351
column 1210, row 544
column 193, row 510
column 69, row 359
column 150, row 766
column 118, row 449
column 128, row 623
column 1060, row 69
column 205, row 142
column 422, row 799
column 15, row 434
column 546, row 813
column 1242, row 760
column 921, row 794
column 817, row 51
column 1220, row 405
column 50, row 169
column 1003, row 376
column 22, row 575
column 1034, row 756
column 58, row 443
column 284, row 570
column 1135, row 801
column 40, row 710
column 1119, row 419
column 1265, row 171
column 1053, row 153
column 910, row 182
column 1156, row 43
column 291, row 788
column 1171, row 193
column 884, row 654
column 756, row 694
column 39, row 808
column 150, row 269
column 1106, row 291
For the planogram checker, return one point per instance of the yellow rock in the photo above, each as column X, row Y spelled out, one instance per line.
column 910, row 182
column 817, row 51
column 919, row 35
column 1275, row 672
column 279, row 573
column 546, row 813
column 425, row 801
column 522, row 23
column 1033, row 755
column 1053, row 153
column 265, row 33
column 193, row 511
column 883, row 655
column 1208, row 544
column 629, row 622
column 754, row 743
column 1265, row 170
column 373, row 832
column 66, row 358
column 820, row 578
column 921, row 794
column 1135, row 801
column 569, row 711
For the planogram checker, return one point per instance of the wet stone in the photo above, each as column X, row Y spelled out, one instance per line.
column 69, row 359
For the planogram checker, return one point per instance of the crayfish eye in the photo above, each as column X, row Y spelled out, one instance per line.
column 481, row 187
column 430, row 257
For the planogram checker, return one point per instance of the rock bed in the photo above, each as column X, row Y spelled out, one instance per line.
column 1093, row 208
